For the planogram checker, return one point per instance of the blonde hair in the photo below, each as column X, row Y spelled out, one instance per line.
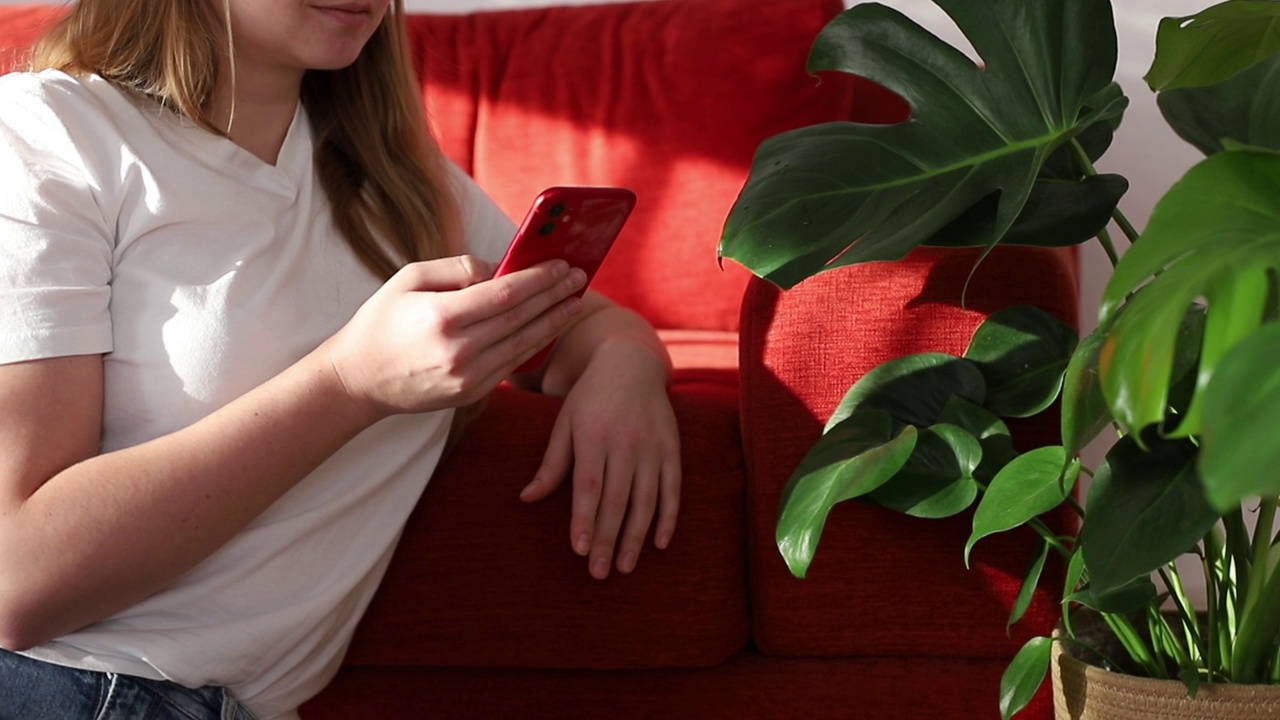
column 385, row 176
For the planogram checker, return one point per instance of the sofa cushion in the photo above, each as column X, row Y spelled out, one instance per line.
column 747, row 687
column 482, row 579
column 906, row 577
column 20, row 27
column 670, row 98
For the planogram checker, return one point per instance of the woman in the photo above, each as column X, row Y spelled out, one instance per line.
column 241, row 296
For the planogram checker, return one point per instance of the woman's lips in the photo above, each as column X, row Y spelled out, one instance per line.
column 352, row 15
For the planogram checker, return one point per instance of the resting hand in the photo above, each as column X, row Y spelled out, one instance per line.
column 617, row 432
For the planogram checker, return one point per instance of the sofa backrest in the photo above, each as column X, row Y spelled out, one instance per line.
column 669, row 97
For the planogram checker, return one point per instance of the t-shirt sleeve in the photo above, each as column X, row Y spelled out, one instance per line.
column 487, row 230
column 55, row 245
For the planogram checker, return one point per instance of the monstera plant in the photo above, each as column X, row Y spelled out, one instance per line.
column 1183, row 364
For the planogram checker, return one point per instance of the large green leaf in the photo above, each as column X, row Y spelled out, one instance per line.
column 914, row 389
column 1244, row 110
column 1240, row 455
column 1214, row 44
column 1066, row 206
column 937, row 480
column 1031, row 485
column 1146, row 508
column 1022, row 352
column 843, row 193
column 1024, row 675
column 1058, row 213
column 1213, row 239
column 855, row 457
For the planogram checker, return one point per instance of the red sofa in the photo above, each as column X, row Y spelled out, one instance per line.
column 486, row 612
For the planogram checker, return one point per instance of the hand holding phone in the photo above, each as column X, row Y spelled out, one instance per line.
column 575, row 223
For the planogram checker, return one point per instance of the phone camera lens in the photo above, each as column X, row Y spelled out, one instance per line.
column 557, row 210
column 548, row 228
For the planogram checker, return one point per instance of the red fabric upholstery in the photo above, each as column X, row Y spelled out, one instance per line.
column 482, row 579
column 20, row 26
column 667, row 98
column 747, row 687
column 801, row 350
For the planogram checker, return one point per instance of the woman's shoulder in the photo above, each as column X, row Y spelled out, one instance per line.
column 51, row 89
column 55, row 113
column 53, row 97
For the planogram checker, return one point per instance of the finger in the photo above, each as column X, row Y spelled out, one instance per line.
column 515, row 331
column 544, row 283
column 643, row 503
column 619, row 473
column 668, row 501
column 555, row 463
column 588, row 482
column 496, row 361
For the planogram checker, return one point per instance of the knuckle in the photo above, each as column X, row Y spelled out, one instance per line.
column 590, row 484
column 505, row 294
column 644, row 498
column 469, row 266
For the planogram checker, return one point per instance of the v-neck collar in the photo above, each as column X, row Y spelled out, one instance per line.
column 293, row 159
column 285, row 178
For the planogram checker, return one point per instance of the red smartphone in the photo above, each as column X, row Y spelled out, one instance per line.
column 576, row 223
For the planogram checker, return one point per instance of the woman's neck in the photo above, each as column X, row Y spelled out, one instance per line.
column 256, row 114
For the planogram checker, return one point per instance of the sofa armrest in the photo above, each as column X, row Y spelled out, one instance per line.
column 882, row 583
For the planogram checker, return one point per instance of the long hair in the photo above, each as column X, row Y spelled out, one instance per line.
column 385, row 176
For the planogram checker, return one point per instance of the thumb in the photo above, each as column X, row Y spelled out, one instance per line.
column 451, row 273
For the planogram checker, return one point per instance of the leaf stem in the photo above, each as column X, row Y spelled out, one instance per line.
column 1122, row 222
column 1125, row 226
column 1104, row 238
column 1043, row 531
column 1075, row 505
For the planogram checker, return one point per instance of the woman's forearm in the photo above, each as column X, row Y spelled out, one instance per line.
column 112, row 529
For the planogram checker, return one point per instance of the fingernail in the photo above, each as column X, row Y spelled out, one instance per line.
column 583, row 545
column 572, row 306
column 661, row 541
column 600, row 568
column 627, row 563
column 578, row 276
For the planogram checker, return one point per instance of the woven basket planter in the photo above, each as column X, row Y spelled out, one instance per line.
column 1082, row 691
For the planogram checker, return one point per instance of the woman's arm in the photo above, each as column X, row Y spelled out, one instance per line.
column 83, row 536
column 617, row 434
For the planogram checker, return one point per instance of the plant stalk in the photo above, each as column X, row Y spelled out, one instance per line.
column 1132, row 641
column 1043, row 531
column 1190, row 622
column 1260, row 620
column 1121, row 221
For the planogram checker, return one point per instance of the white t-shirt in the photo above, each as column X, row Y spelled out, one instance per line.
column 200, row 272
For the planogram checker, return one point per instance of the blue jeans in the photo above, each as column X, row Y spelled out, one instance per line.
column 35, row 690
